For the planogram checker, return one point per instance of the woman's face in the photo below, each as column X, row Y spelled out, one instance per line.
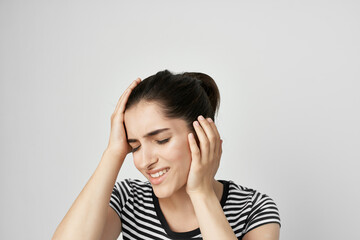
column 160, row 147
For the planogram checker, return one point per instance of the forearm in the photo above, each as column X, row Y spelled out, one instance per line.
column 212, row 220
column 87, row 215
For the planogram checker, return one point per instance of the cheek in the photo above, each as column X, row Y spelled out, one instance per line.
column 178, row 152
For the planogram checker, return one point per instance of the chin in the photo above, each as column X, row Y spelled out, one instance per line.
column 168, row 190
column 161, row 192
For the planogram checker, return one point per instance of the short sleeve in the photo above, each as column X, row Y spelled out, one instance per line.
column 263, row 211
column 120, row 195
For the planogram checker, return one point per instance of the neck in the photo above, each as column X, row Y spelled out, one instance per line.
column 180, row 200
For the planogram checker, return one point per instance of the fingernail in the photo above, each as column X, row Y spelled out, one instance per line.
column 191, row 135
column 196, row 123
column 201, row 117
column 209, row 119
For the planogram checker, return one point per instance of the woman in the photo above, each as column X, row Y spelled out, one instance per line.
column 167, row 122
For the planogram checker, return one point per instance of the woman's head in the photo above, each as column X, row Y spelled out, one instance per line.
column 158, row 118
column 184, row 96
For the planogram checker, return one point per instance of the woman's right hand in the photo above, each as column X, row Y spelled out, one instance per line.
column 118, row 144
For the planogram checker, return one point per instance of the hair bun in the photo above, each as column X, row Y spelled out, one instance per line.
column 185, row 95
column 210, row 87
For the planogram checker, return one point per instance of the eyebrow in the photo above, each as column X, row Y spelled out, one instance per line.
column 152, row 133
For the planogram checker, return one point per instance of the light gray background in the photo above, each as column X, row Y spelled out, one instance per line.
column 288, row 72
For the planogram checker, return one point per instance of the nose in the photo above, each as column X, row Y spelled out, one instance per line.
column 149, row 157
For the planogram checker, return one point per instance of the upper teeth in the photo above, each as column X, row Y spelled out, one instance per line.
column 160, row 173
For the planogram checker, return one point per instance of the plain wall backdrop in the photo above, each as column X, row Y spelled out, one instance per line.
column 288, row 74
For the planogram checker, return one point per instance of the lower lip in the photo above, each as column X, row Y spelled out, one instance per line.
column 158, row 180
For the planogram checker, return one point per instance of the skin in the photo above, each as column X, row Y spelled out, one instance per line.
column 90, row 217
column 166, row 149
column 189, row 192
column 170, row 149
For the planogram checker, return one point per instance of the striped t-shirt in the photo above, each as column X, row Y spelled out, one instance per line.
column 141, row 217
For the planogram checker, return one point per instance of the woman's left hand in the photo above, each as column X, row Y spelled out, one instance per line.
column 206, row 159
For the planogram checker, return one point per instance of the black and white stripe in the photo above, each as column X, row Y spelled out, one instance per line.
column 141, row 216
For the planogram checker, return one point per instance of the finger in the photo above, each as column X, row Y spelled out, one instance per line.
column 203, row 140
column 120, row 99
column 221, row 144
column 210, row 134
column 195, row 151
column 216, row 132
column 212, row 124
column 125, row 95
column 130, row 88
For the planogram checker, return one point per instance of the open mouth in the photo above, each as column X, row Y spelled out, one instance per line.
column 158, row 177
column 159, row 173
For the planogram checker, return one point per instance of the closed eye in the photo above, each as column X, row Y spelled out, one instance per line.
column 163, row 141
column 157, row 141
column 135, row 149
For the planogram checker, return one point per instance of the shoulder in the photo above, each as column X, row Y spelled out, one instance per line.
column 133, row 185
column 258, row 207
column 241, row 192
column 246, row 193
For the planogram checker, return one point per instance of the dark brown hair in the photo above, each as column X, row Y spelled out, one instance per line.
column 186, row 95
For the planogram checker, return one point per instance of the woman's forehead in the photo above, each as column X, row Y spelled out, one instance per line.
column 145, row 117
column 145, row 109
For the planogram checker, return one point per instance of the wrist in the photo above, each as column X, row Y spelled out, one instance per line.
column 115, row 153
column 210, row 192
column 202, row 195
